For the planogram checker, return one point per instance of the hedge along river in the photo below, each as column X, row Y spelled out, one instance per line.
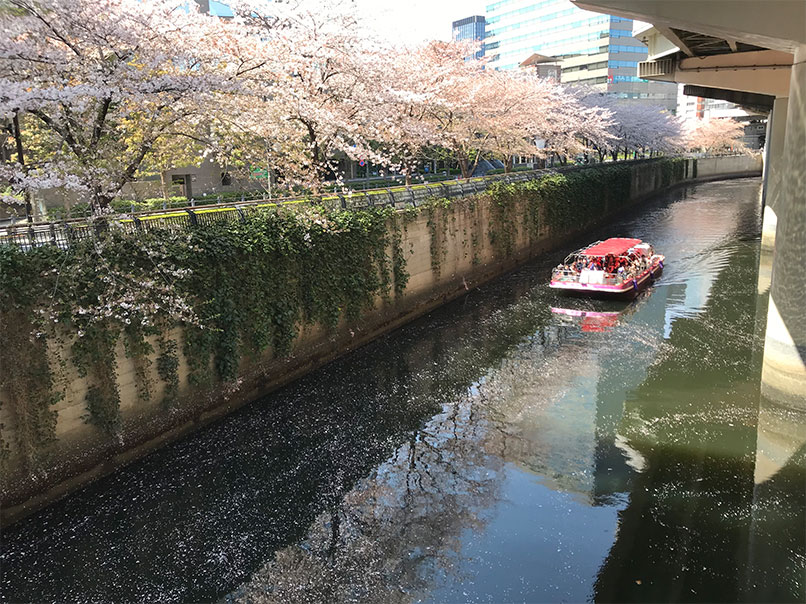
column 506, row 447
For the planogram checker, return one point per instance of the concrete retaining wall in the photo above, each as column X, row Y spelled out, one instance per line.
column 466, row 259
column 709, row 167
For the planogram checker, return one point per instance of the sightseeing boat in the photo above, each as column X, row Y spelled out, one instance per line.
column 615, row 268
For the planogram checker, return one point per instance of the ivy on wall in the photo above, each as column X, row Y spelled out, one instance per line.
column 25, row 374
column 673, row 170
column 238, row 289
column 28, row 383
column 168, row 370
column 254, row 282
column 400, row 275
column 561, row 202
column 438, row 209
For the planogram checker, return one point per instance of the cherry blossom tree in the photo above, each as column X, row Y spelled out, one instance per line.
column 520, row 118
column 571, row 126
column 641, row 128
column 472, row 112
column 103, row 82
column 716, row 135
column 410, row 97
column 312, row 83
column 636, row 127
column 465, row 112
column 106, row 90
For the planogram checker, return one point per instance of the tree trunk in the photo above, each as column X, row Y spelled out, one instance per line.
column 163, row 185
column 472, row 168
column 21, row 160
column 464, row 167
column 507, row 164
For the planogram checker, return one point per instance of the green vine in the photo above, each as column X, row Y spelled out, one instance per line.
column 95, row 359
column 198, row 348
column 168, row 370
column 237, row 289
column 564, row 201
column 28, row 383
column 673, row 170
column 277, row 270
column 437, row 227
column 25, row 378
column 399, row 273
column 503, row 209
column 138, row 350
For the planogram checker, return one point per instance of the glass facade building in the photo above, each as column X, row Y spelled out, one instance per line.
column 470, row 28
column 594, row 49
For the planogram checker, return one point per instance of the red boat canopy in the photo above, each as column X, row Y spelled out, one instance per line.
column 614, row 245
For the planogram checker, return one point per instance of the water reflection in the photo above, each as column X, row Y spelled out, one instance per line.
column 778, row 519
column 683, row 534
column 493, row 451
column 590, row 320
column 397, row 528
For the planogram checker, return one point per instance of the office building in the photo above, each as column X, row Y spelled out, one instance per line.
column 470, row 28
column 593, row 49
column 546, row 68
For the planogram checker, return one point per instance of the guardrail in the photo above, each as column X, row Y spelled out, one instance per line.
column 65, row 232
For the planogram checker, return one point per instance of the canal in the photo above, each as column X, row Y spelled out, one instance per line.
column 512, row 446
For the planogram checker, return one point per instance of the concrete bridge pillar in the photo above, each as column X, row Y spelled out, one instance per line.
column 783, row 376
column 774, row 160
column 771, row 193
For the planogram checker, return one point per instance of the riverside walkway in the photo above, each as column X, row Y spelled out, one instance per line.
column 62, row 233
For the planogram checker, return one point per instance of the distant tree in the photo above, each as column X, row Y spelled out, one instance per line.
column 636, row 128
column 716, row 135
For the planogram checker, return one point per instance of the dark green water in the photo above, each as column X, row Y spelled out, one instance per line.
column 493, row 451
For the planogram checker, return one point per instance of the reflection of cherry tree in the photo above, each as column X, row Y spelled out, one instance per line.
column 386, row 539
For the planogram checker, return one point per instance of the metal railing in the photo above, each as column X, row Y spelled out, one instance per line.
column 64, row 233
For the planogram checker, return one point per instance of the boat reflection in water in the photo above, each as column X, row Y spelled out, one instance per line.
column 591, row 320
column 599, row 320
